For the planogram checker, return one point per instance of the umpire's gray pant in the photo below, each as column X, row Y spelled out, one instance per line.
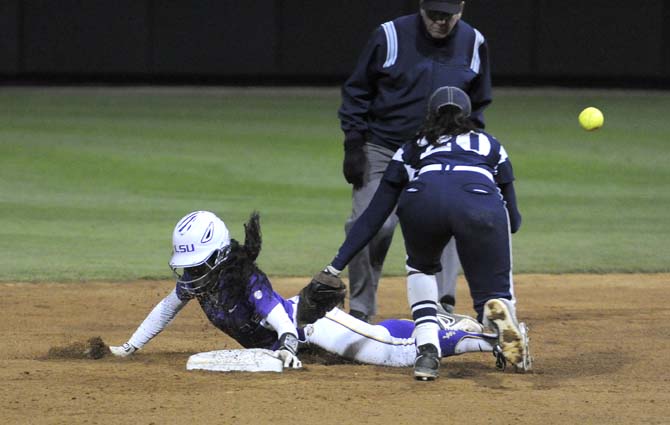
column 366, row 267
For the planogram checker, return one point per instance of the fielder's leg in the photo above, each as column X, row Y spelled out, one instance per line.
column 484, row 249
column 425, row 238
column 422, row 298
column 486, row 255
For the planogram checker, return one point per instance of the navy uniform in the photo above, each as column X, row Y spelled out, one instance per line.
column 383, row 105
column 461, row 188
column 454, row 181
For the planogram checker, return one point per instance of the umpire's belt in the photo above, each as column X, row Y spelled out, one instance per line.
column 447, row 167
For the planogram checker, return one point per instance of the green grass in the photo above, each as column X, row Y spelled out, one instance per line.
column 92, row 180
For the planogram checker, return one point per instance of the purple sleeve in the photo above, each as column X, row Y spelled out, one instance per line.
column 261, row 295
column 398, row 328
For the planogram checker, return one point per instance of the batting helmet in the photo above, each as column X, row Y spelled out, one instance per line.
column 200, row 243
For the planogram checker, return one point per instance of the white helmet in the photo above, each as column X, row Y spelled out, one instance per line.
column 200, row 243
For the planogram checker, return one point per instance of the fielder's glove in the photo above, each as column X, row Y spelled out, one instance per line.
column 288, row 349
column 355, row 161
column 124, row 350
column 322, row 294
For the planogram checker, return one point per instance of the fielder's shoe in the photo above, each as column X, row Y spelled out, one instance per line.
column 512, row 336
column 457, row 322
column 427, row 363
column 527, row 363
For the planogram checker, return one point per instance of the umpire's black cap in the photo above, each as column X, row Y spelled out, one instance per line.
column 447, row 6
column 450, row 96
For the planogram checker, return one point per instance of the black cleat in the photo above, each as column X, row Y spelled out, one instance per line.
column 501, row 361
column 427, row 363
column 448, row 302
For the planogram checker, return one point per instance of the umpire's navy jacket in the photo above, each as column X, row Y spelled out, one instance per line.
column 386, row 96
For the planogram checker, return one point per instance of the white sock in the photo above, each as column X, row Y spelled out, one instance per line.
column 422, row 299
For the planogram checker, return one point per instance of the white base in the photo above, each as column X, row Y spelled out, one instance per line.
column 247, row 360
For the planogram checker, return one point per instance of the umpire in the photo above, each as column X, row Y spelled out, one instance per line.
column 384, row 103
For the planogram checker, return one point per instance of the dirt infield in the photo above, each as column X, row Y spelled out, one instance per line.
column 601, row 345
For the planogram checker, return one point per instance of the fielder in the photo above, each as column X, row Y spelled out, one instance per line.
column 453, row 181
column 237, row 297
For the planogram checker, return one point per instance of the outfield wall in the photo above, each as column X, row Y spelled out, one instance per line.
column 584, row 42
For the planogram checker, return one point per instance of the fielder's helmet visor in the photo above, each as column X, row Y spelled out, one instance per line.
column 451, row 7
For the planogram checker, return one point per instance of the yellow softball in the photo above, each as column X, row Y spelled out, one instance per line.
column 591, row 118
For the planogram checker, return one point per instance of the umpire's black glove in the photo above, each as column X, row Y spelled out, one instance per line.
column 355, row 162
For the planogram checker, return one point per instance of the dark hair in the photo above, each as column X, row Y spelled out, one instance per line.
column 237, row 269
column 447, row 121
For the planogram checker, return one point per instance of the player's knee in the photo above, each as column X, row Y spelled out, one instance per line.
column 415, row 266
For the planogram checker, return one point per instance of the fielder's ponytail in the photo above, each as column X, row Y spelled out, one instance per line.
column 240, row 265
column 448, row 121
